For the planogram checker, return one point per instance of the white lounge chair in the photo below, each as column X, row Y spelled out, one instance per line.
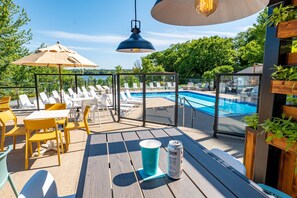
column 56, row 96
column 52, row 100
column 25, row 102
column 92, row 88
column 159, row 86
column 107, row 89
column 126, row 86
column 44, row 98
column 79, row 90
column 169, row 85
column 126, row 100
column 93, row 94
column 109, row 96
column 124, row 108
column 229, row 160
column 71, row 93
column 41, row 105
column 85, row 92
column 151, row 85
column 129, row 96
column 141, row 86
column 135, row 86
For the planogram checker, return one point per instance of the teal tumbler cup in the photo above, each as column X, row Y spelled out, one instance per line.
column 150, row 150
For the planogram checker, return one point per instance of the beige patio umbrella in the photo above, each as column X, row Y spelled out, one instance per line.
column 55, row 56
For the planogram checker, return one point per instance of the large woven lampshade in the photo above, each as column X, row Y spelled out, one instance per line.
column 186, row 12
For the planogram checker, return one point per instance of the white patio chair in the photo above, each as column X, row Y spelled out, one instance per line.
column 169, row 85
column 94, row 109
column 41, row 185
column 56, row 96
column 151, row 85
column 173, row 85
column 126, row 86
column 126, row 100
column 25, row 102
column 229, row 159
column 141, row 86
column 135, row 86
column 44, row 98
column 129, row 96
column 41, row 105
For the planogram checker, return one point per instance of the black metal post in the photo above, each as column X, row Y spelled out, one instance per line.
column 76, row 83
column 176, row 100
column 119, row 97
column 144, row 99
column 36, row 90
column 216, row 118
column 114, row 92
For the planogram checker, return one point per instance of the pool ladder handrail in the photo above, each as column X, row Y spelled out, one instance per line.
column 183, row 102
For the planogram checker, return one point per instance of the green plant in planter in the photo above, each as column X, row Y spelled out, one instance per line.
column 282, row 14
column 252, row 120
column 292, row 100
column 284, row 73
column 281, row 128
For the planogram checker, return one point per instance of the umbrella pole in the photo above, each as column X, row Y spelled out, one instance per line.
column 60, row 83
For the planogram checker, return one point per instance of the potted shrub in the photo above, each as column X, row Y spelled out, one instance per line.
column 281, row 133
column 285, row 19
column 290, row 110
column 284, row 80
column 250, row 143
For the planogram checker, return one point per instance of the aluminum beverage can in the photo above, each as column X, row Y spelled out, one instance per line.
column 175, row 159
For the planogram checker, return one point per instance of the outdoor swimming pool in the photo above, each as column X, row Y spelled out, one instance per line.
column 206, row 103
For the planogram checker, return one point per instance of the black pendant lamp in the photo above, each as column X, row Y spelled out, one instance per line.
column 135, row 43
column 204, row 12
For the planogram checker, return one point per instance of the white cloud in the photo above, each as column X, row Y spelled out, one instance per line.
column 111, row 39
column 244, row 28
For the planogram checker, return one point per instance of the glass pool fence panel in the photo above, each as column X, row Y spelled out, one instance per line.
column 161, row 99
column 131, row 95
column 237, row 95
column 14, row 92
column 153, row 97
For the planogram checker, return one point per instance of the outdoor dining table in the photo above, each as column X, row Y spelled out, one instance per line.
column 111, row 161
column 43, row 114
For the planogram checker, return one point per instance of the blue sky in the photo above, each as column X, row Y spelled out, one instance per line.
column 94, row 28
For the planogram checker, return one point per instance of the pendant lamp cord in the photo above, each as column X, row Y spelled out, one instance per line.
column 135, row 10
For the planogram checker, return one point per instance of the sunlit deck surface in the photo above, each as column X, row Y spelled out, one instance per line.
column 67, row 174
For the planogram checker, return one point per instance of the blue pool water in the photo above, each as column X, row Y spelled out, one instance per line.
column 206, row 103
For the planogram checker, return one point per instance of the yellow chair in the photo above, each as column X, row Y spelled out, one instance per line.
column 57, row 106
column 76, row 125
column 4, row 103
column 50, row 132
column 6, row 116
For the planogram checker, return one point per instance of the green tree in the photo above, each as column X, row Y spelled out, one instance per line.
column 211, row 75
column 12, row 39
column 250, row 44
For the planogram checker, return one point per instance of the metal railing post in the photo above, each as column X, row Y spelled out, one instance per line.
column 119, row 98
column 176, row 100
column 76, row 83
column 144, row 99
column 216, row 118
column 183, row 106
column 36, row 90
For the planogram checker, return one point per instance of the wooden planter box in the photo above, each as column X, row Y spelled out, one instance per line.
column 287, row 29
column 283, row 87
column 281, row 143
column 292, row 59
column 295, row 2
column 290, row 111
column 249, row 151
